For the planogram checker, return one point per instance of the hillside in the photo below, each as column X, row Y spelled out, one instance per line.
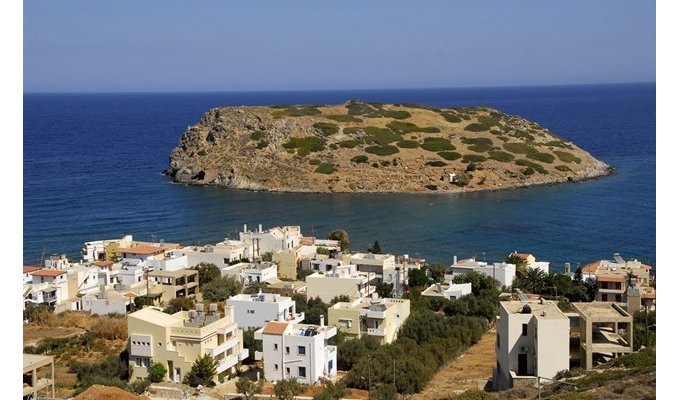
column 372, row 147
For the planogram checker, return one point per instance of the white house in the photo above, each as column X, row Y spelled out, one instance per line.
column 344, row 280
column 502, row 272
column 451, row 291
column 532, row 339
column 297, row 351
column 379, row 264
column 57, row 261
column 221, row 254
column 248, row 273
column 28, row 273
column 254, row 311
column 49, row 286
column 271, row 240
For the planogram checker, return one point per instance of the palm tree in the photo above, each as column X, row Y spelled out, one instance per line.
column 534, row 280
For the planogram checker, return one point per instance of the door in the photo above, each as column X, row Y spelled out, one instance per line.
column 522, row 364
column 178, row 375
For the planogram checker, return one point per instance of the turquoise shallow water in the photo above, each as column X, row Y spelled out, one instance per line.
column 92, row 167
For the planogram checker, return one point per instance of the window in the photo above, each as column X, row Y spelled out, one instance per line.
column 226, row 261
column 498, row 340
column 301, row 350
column 302, row 372
column 287, row 350
column 276, row 367
column 525, row 329
column 287, row 371
column 250, row 311
column 276, row 346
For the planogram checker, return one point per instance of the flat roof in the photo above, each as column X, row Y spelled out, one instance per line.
column 156, row 317
column 32, row 361
column 141, row 249
column 173, row 274
column 548, row 307
column 601, row 309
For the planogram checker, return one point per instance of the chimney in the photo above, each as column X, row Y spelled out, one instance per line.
column 259, row 228
column 245, row 228
column 322, row 322
column 455, row 260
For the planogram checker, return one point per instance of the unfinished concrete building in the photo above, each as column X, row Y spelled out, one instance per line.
column 606, row 332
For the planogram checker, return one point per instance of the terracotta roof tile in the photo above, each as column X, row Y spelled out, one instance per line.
column 275, row 328
column 609, row 278
column 592, row 267
column 29, row 269
column 49, row 272
column 103, row 263
column 141, row 249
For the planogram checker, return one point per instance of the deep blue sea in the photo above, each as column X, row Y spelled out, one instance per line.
column 93, row 162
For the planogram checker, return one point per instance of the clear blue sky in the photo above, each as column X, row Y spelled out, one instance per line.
column 167, row 45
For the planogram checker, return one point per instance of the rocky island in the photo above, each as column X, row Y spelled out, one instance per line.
column 374, row 147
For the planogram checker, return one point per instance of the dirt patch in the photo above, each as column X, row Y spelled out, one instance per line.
column 99, row 392
column 465, row 372
column 35, row 333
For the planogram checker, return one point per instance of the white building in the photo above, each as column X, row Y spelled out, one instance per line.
column 57, row 261
column 379, row 264
column 532, row 340
column 248, row 273
column 380, row 318
column 49, row 286
column 297, row 351
column 451, row 291
column 271, row 240
column 344, row 280
column 531, row 261
column 28, row 273
column 254, row 311
column 502, row 272
column 222, row 254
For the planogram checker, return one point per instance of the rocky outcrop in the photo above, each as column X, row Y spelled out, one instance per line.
column 369, row 147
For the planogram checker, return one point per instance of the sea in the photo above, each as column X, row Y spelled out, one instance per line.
column 92, row 169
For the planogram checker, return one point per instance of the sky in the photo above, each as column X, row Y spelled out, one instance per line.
column 167, row 45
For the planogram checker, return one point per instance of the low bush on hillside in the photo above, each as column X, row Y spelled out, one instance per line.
column 408, row 144
column 436, row 163
column 567, row 157
column 473, row 158
column 257, row 135
column 501, row 156
column 349, row 144
column 563, row 168
column 384, row 150
column 325, row 168
column 326, row 128
column 536, row 167
column 380, row 135
column 519, row 148
column 437, row 144
column 451, row 116
column 364, row 109
column 295, row 111
column 304, row 145
column 542, row 157
column 397, row 114
column 449, row 155
column 476, row 127
column 402, row 128
column 360, row 159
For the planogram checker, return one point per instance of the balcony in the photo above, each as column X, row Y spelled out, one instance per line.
column 224, row 346
column 226, row 363
column 243, row 354
column 375, row 331
column 259, row 355
column 227, row 329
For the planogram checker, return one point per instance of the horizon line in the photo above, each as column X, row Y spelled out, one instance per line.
column 337, row 90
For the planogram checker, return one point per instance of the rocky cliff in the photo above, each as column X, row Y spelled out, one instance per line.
column 372, row 147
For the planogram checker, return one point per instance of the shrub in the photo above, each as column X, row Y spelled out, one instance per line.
column 643, row 358
column 352, row 130
column 249, row 388
column 110, row 328
column 437, row 144
column 157, row 373
column 523, row 135
column 304, row 145
column 472, row 158
column 528, row 171
column 380, row 135
column 501, row 156
column 287, row 389
column 355, row 107
column 343, row 118
column 431, row 187
column 563, row 168
column 202, row 153
column 349, row 144
column 262, row 144
column 519, row 148
column 537, row 167
column 326, row 128
column 408, row 127
column 325, row 168
column 481, row 141
column 543, row 157
column 408, row 144
column 567, row 157
column 397, row 114
column 207, row 272
column 360, row 159
column 451, row 116
column 558, row 143
column 314, row 161
column 202, row 372
column 140, row 385
column 221, row 289
column 436, row 163
column 449, row 155
column 475, row 127
column 295, row 111
column 257, row 135
column 384, row 150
